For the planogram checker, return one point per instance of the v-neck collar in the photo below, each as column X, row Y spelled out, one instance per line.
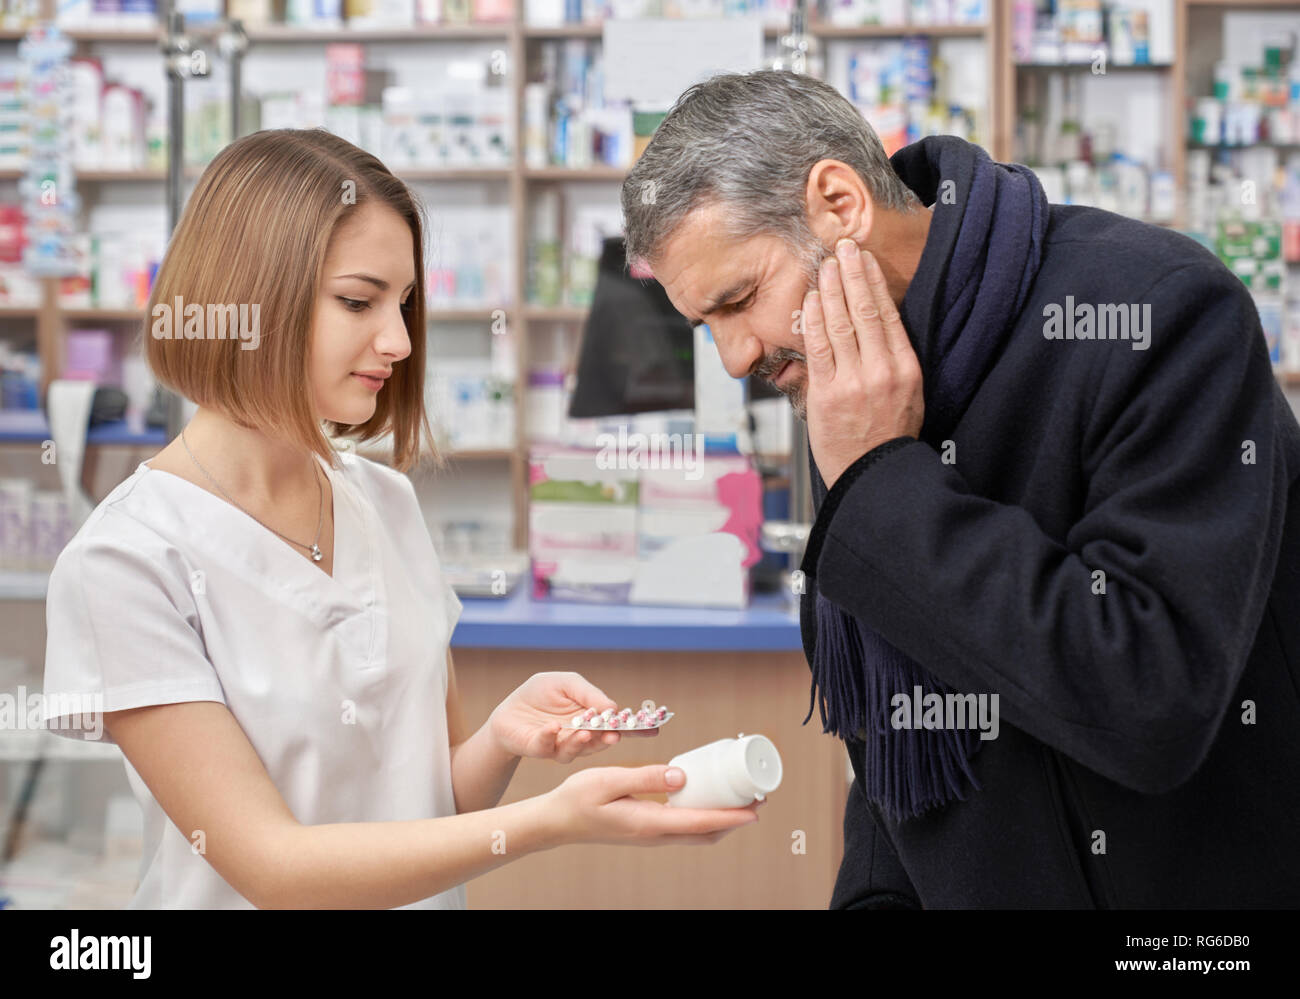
column 253, row 546
column 210, row 527
column 257, row 526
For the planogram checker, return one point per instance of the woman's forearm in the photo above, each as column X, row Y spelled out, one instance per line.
column 381, row 865
column 480, row 771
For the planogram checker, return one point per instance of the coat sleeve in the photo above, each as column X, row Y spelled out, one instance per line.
column 1185, row 470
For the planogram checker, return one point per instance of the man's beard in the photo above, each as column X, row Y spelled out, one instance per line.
column 810, row 260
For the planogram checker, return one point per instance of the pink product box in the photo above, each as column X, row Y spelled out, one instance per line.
column 682, row 536
column 710, row 480
column 581, row 529
column 494, row 10
column 92, row 356
column 345, row 75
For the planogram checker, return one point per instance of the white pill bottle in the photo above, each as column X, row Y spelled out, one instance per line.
column 729, row 773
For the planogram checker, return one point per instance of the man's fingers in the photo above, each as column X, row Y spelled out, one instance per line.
column 864, row 308
column 816, row 348
column 895, row 335
column 840, row 330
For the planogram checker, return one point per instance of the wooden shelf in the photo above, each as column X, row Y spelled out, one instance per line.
column 17, row 746
column 432, row 174
column 377, row 452
column 101, row 315
column 480, row 314
column 285, row 34
column 277, row 33
column 484, row 454
column 456, row 173
column 898, row 30
column 113, row 34
column 575, row 173
column 1284, row 146
column 556, row 313
column 1121, row 67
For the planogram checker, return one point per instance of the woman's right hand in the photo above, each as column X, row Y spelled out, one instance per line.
column 595, row 806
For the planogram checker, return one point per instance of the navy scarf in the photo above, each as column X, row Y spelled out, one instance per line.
column 980, row 259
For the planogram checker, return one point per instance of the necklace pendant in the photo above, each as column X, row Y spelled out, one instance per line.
column 316, row 556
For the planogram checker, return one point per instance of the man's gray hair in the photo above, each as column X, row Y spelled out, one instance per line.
column 748, row 141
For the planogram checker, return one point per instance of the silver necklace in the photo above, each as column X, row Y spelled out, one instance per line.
column 313, row 548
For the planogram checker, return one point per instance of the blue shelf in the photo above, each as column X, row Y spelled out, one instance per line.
column 519, row 622
column 30, row 427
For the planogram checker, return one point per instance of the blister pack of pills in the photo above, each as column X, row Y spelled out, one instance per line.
column 647, row 717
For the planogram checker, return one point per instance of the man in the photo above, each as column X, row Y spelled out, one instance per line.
column 1055, row 483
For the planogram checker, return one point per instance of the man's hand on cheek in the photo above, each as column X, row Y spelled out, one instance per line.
column 864, row 381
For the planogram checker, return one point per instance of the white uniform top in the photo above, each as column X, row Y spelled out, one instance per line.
column 169, row 594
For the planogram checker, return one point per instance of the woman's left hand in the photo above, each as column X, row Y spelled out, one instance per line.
column 536, row 720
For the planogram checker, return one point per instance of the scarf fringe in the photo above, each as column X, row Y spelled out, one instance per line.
column 909, row 770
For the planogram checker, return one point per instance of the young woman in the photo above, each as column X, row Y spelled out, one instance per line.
column 260, row 614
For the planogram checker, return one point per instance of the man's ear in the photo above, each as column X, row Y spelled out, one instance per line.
column 838, row 203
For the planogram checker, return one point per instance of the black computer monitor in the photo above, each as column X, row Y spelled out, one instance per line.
column 638, row 352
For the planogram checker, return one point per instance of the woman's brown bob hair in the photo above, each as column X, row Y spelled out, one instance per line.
column 256, row 230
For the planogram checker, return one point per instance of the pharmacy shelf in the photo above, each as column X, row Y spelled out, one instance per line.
column 100, row 314
column 30, row 427
column 521, row 182
column 769, row 624
column 974, row 30
column 1226, row 147
column 380, row 453
column 52, row 320
column 280, row 33
column 25, row 745
column 575, row 173
column 288, row 34
column 556, row 313
column 596, row 29
column 1110, row 67
column 23, row 584
column 432, row 174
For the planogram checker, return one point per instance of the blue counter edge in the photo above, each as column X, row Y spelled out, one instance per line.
column 519, row 622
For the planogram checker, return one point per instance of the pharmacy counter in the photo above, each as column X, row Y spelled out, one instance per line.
column 769, row 624
column 721, row 673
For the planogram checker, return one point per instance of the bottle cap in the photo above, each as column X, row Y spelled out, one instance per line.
column 754, row 766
